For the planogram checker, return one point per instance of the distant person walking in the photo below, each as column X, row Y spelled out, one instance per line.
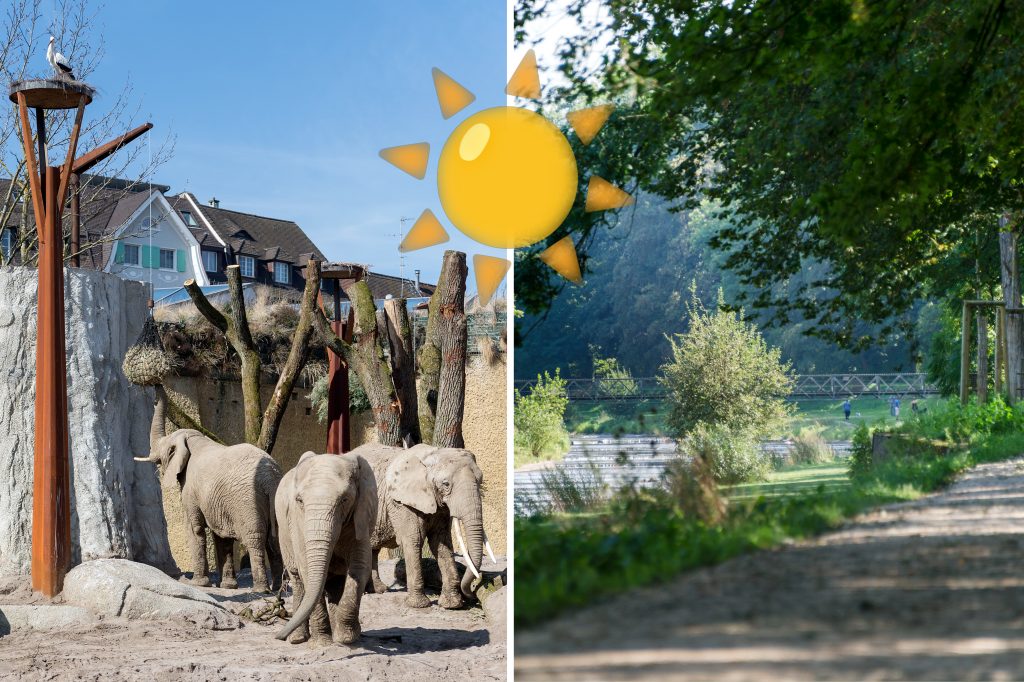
column 894, row 406
column 847, row 407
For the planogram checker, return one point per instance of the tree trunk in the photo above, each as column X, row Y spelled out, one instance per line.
column 1011, row 297
column 403, row 366
column 451, row 335
column 982, row 381
column 293, row 365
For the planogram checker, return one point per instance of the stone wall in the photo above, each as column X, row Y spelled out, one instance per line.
column 484, row 428
column 115, row 501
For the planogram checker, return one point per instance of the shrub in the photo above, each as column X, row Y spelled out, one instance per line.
column 357, row 398
column 723, row 374
column 860, row 456
column 573, row 492
column 614, row 380
column 691, row 484
column 731, row 456
column 810, row 448
column 539, row 416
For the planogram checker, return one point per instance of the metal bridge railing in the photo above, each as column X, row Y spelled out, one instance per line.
column 804, row 386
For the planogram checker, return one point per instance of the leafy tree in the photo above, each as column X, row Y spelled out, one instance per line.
column 723, row 374
column 881, row 139
column 539, row 415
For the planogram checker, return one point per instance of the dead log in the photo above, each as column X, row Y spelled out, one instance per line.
column 403, row 366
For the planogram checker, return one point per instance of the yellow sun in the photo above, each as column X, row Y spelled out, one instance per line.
column 506, row 177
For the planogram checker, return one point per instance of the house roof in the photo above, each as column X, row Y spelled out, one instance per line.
column 382, row 286
column 251, row 235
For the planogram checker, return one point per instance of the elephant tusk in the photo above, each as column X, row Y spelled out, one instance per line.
column 457, row 527
column 490, row 552
column 142, row 459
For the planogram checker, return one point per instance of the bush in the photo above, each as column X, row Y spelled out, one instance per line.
column 810, row 448
column 573, row 492
column 539, row 416
column 613, row 380
column 861, row 455
column 692, row 486
column 731, row 456
column 357, row 398
column 723, row 374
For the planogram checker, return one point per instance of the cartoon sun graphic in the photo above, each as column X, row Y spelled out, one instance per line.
column 506, row 177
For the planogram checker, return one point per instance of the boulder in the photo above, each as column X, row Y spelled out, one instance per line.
column 115, row 502
column 493, row 602
column 42, row 617
column 117, row 587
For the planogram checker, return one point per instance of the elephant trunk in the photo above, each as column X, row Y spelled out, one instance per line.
column 156, row 429
column 470, row 530
column 321, row 536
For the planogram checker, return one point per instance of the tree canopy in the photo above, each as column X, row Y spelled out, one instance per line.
column 881, row 139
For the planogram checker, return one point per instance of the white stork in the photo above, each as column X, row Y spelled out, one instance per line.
column 58, row 62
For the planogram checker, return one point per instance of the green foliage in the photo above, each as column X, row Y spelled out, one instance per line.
column 731, row 455
column 723, row 374
column 861, row 455
column 539, row 415
column 614, row 380
column 357, row 398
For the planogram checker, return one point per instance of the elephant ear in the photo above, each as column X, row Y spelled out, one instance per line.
column 175, row 458
column 306, row 455
column 366, row 507
column 408, row 483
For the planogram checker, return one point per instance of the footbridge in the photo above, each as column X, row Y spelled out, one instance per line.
column 804, row 386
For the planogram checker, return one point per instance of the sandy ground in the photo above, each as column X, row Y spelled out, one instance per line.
column 399, row 643
column 932, row 589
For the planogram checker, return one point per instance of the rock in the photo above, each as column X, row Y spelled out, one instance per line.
column 117, row 587
column 495, row 609
column 115, row 502
column 42, row 617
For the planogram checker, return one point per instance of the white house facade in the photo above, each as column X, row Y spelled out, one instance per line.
column 154, row 246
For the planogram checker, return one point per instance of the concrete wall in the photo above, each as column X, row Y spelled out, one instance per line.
column 220, row 408
column 115, row 501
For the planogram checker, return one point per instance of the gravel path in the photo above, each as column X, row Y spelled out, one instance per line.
column 932, row 589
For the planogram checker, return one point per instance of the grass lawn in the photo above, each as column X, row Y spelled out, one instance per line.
column 555, row 452
column 801, row 478
column 647, row 416
column 826, row 414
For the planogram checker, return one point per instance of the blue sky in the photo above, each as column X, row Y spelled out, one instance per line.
column 280, row 108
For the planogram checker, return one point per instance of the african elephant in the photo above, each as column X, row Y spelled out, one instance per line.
column 428, row 493
column 326, row 509
column 226, row 488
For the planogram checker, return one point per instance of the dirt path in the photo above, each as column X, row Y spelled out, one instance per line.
column 399, row 643
column 932, row 589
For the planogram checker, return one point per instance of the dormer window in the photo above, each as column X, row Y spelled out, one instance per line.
column 189, row 220
column 282, row 272
column 247, row 266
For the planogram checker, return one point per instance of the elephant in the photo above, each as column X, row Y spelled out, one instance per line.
column 326, row 509
column 428, row 493
column 227, row 488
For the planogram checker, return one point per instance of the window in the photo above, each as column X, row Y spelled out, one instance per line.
column 247, row 266
column 210, row 261
column 282, row 273
column 131, row 254
column 189, row 220
column 166, row 259
column 7, row 243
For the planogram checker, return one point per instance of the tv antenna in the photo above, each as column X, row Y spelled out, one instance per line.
column 401, row 256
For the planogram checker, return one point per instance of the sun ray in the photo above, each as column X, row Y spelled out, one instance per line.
column 411, row 158
column 561, row 257
column 426, row 231
column 489, row 273
column 525, row 81
column 452, row 97
column 588, row 122
column 603, row 195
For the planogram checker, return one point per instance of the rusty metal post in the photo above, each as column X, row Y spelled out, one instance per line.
column 51, row 501
column 76, row 220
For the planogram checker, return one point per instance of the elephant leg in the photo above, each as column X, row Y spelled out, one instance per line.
column 276, row 564
column 409, row 528
column 440, row 540
column 347, row 629
column 301, row 633
column 375, row 585
column 319, row 624
column 225, row 562
column 197, row 545
column 256, row 544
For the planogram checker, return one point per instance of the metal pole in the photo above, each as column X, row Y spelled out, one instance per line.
column 338, row 430
column 51, row 501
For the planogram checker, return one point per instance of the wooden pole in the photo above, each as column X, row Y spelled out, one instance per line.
column 965, row 353
column 76, row 220
column 997, row 370
column 982, row 360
